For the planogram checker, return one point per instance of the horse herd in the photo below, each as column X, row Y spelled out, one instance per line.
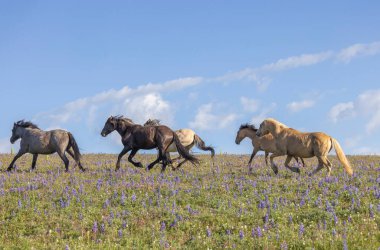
column 271, row 137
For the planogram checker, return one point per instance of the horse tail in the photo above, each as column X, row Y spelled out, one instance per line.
column 183, row 151
column 341, row 156
column 201, row 145
column 75, row 147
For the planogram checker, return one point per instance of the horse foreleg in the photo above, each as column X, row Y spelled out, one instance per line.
column 266, row 158
column 131, row 155
column 273, row 166
column 34, row 161
column 18, row 155
column 293, row 169
column 254, row 152
column 122, row 153
column 303, row 162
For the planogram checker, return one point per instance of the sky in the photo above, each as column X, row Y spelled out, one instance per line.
column 205, row 65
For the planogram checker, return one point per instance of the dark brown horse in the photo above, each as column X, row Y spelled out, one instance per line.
column 36, row 141
column 188, row 139
column 135, row 137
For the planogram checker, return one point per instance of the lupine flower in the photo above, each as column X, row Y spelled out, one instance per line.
column 163, row 226
column 102, row 228
column 120, row 233
column 241, row 234
column 301, row 230
column 95, row 227
column 259, row 232
column 133, row 197
column 208, row 232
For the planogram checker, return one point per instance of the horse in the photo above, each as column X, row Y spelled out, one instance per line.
column 36, row 141
column 305, row 145
column 265, row 143
column 188, row 139
column 135, row 137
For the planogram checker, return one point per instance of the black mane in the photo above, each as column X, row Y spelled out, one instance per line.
column 152, row 122
column 121, row 117
column 249, row 126
column 26, row 124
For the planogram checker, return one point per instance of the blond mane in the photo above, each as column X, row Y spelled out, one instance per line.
column 276, row 122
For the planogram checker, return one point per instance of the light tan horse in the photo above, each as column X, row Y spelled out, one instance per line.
column 188, row 139
column 265, row 143
column 305, row 145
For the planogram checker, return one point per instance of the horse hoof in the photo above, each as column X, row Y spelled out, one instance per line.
column 297, row 170
column 9, row 169
column 140, row 165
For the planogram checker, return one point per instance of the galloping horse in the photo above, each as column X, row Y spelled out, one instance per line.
column 188, row 139
column 305, row 145
column 265, row 143
column 36, row 141
column 135, row 137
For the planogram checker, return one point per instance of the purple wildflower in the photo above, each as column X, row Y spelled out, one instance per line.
column 133, row 197
column 163, row 226
column 301, row 230
column 259, row 232
column 95, row 227
column 120, row 233
column 208, row 232
column 241, row 234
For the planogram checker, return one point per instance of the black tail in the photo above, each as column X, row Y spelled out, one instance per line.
column 183, row 151
column 201, row 145
column 75, row 147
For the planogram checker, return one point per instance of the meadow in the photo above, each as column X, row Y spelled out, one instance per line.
column 209, row 206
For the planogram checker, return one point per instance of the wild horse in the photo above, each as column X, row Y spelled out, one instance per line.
column 36, row 141
column 135, row 137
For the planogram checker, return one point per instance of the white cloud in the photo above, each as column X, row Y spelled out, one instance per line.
column 358, row 50
column 297, row 61
column 298, row 106
column 250, row 105
column 366, row 106
column 145, row 99
column 341, row 110
column 205, row 119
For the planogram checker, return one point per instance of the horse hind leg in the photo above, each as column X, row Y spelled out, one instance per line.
column 64, row 159
column 293, row 169
column 130, row 159
column 320, row 166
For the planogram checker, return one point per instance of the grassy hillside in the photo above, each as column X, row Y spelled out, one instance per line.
column 220, row 206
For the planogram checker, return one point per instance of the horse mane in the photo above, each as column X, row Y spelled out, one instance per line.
column 276, row 122
column 152, row 122
column 249, row 126
column 122, row 118
column 27, row 124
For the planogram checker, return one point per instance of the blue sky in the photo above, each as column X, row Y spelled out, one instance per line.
column 209, row 66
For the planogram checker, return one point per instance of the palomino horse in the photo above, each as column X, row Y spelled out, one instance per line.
column 37, row 141
column 305, row 145
column 135, row 137
column 188, row 139
column 265, row 143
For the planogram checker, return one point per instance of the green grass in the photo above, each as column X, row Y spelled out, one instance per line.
column 194, row 208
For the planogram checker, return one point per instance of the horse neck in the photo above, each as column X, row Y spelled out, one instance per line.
column 123, row 127
column 250, row 134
